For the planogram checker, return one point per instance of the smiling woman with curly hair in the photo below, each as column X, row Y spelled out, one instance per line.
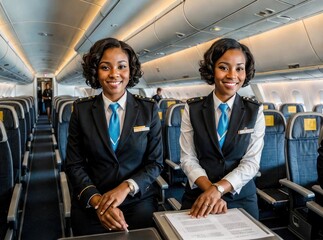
column 114, row 150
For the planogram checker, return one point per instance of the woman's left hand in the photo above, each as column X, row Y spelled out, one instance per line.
column 209, row 201
column 113, row 198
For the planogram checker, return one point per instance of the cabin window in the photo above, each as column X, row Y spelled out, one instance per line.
column 297, row 96
column 276, row 98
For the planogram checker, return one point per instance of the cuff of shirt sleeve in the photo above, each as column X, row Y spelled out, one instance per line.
column 86, row 194
column 135, row 185
column 235, row 182
column 195, row 174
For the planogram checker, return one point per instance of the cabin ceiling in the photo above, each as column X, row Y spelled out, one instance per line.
column 49, row 37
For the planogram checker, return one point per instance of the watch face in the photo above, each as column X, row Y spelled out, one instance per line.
column 221, row 189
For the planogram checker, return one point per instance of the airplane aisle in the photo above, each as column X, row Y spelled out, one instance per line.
column 41, row 213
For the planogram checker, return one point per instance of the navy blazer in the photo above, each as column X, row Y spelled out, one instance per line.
column 218, row 162
column 91, row 164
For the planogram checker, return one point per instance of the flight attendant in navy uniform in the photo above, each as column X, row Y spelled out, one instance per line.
column 221, row 177
column 113, row 179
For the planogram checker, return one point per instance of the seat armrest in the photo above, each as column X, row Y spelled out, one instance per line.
column 318, row 189
column 25, row 163
column 58, row 159
column 297, row 188
column 12, row 216
column 174, row 204
column 265, row 196
column 162, row 183
column 172, row 164
column 54, row 141
column 315, row 207
column 65, row 194
column 9, row 234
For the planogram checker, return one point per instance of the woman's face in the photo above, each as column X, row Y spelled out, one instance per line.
column 229, row 74
column 114, row 73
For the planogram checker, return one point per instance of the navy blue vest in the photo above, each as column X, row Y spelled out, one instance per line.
column 218, row 163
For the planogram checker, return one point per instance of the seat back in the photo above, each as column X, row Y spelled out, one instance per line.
column 64, row 117
column 272, row 163
column 172, row 146
column 287, row 109
column 269, row 106
column 10, row 120
column 302, row 135
column 173, row 131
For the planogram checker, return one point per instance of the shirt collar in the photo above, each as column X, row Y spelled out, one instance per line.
column 217, row 101
column 121, row 101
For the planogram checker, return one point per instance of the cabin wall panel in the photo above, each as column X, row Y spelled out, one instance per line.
column 309, row 91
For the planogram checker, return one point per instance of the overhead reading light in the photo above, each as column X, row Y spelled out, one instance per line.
column 265, row 13
column 44, row 34
column 291, row 66
column 160, row 54
column 180, row 35
column 215, row 29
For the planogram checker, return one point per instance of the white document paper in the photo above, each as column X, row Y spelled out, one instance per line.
column 232, row 225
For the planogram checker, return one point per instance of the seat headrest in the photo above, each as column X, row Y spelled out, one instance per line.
column 166, row 103
column 268, row 105
column 9, row 117
column 65, row 111
column 275, row 121
column 291, row 108
column 174, row 115
column 304, row 125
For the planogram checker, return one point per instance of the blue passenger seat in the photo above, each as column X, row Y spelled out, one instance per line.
column 272, row 197
column 302, row 135
column 173, row 151
column 64, row 116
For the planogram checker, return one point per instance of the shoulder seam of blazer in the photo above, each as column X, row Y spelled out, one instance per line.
column 144, row 98
column 251, row 100
column 85, row 99
column 196, row 99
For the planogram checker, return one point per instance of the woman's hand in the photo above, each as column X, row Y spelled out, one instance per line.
column 209, row 201
column 112, row 198
column 113, row 219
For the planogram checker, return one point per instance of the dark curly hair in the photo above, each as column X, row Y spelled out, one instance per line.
column 216, row 51
column 92, row 59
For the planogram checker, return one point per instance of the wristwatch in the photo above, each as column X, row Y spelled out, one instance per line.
column 219, row 188
column 131, row 187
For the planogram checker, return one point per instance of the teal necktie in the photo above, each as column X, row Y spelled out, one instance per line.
column 114, row 125
column 223, row 123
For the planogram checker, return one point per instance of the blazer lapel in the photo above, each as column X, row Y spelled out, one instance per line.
column 129, row 120
column 209, row 118
column 237, row 115
column 101, row 122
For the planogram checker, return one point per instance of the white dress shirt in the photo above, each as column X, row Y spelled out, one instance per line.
column 249, row 164
column 121, row 112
